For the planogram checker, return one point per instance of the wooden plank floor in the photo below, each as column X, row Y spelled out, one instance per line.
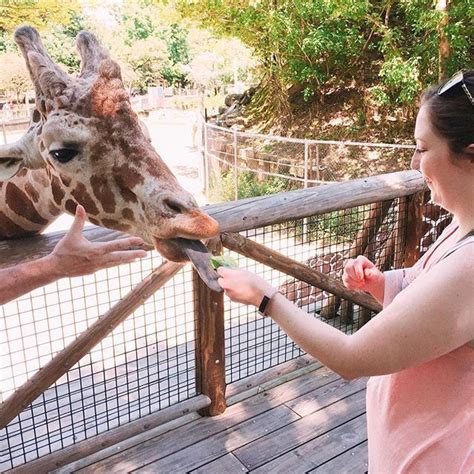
column 313, row 423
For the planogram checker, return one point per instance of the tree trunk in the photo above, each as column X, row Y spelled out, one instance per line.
column 444, row 49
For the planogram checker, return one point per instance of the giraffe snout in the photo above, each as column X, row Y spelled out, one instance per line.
column 195, row 224
column 180, row 216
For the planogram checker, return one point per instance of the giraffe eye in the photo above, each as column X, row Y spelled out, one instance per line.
column 63, row 155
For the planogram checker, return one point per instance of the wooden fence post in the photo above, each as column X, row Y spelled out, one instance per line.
column 414, row 229
column 210, row 346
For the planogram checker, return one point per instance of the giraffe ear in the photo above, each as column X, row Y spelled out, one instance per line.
column 145, row 130
column 9, row 166
column 23, row 152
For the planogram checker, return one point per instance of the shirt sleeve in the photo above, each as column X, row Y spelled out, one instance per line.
column 393, row 285
column 398, row 280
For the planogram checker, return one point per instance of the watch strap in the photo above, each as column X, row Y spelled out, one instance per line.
column 265, row 301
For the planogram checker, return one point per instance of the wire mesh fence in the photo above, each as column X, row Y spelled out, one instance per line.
column 244, row 164
column 146, row 364
column 149, row 362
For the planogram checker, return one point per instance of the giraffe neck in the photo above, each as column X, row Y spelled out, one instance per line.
column 33, row 199
column 28, row 204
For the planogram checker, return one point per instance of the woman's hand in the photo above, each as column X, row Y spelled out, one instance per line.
column 74, row 255
column 242, row 286
column 361, row 274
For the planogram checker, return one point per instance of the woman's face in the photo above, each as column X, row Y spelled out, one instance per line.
column 442, row 171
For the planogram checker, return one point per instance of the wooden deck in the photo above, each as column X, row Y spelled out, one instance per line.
column 313, row 423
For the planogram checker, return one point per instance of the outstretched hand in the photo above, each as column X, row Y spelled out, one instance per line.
column 74, row 255
column 242, row 286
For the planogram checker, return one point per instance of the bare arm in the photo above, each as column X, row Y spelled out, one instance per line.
column 74, row 255
column 429, row 318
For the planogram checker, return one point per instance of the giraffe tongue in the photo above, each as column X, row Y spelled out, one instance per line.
column 199, row 255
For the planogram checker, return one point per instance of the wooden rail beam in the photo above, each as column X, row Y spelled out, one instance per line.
column 279, row 262
column 261, row 211
column 251, row 213
column 81, row 346
column 58, row 459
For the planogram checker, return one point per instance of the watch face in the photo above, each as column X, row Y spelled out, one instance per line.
column 263, row 305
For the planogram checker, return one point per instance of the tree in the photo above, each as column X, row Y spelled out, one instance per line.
column 14, row 78
column 309, row 48
column 175, row 37
column 444, row 50
column 37, row 13
column 146, row 58
column 60, row 42
column 216, row 62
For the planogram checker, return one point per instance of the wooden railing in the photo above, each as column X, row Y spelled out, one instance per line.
column 233, row 217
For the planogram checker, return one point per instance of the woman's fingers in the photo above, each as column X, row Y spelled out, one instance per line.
column 352, row 271
column 370, row 273
column 357, row 271
column 351, row 283
column 226, row 271
column 226, row 274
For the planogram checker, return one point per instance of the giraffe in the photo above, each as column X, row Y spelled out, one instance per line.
column 86, row 145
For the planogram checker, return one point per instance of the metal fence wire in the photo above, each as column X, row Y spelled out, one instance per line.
column 145, row 365
column 149, row 363
column 241, row 164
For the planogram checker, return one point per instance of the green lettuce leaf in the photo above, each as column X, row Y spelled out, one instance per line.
column 223, row 261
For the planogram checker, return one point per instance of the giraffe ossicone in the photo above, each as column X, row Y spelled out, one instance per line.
column 86, row 146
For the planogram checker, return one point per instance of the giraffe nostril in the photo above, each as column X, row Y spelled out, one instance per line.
column 175, row 206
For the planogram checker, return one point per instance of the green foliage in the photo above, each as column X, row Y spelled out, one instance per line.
column 317, row 46
column 401, row 82
column 178, row 55
column 248, row 186
column 6, row 43
column 144, row 27
column 138, row 28
column 61, row 42
column 340, row 226
column 226, row 261
column 176, row 41
column 38, row 13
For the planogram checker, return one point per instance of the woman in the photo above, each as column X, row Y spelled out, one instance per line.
column 419, row 350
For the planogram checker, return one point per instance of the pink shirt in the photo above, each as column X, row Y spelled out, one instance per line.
column 421, row 420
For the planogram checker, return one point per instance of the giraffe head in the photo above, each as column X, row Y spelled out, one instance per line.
column 95, row 152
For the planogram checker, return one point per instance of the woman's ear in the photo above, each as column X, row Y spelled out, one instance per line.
column 470, row 151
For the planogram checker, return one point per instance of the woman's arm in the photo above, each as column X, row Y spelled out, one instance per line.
column 429, row 318
column 74, row 255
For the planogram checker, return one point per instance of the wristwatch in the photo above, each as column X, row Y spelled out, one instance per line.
column 264, row 303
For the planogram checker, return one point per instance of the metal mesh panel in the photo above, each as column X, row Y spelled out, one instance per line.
column 324, row 243
column 146, row 364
